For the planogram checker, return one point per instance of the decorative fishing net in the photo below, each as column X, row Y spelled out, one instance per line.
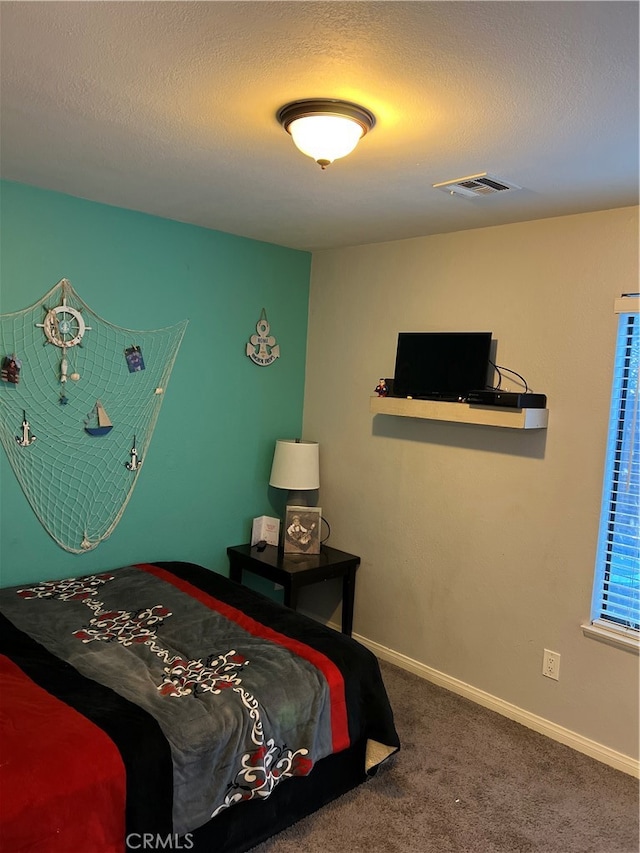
column 61, row 364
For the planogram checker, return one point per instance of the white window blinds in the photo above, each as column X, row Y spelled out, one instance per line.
column 616, row 596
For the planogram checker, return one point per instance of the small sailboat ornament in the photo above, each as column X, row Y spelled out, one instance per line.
column 100, row 423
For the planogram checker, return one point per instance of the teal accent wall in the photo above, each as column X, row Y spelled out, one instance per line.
column 206, row 471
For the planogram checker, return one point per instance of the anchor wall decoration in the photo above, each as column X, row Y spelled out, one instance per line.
column 262, row 348
column 136, row 461
column 27, row 436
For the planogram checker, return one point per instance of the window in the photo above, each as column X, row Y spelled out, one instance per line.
column 616, row 594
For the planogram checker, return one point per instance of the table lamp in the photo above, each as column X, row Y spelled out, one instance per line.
column 296, row 468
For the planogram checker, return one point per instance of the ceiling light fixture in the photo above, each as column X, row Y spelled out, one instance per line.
column 325, row 129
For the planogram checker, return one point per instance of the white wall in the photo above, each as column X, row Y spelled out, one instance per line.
column 477, row 543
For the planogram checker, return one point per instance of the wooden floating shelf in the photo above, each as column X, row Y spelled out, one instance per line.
column 463, row 413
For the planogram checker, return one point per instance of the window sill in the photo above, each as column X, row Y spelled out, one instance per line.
column 622, row 638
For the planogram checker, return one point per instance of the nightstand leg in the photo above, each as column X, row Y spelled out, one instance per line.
column 290, row 596
column 348, row 590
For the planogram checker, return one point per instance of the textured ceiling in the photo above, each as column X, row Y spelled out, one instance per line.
column 169, row 108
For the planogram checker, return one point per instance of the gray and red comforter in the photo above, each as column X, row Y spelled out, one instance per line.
column 153, row 698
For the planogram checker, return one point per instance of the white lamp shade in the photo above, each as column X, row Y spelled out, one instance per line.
column 295, row 465
column 325, row 137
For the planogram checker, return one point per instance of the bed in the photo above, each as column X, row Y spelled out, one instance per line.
column 163, row 706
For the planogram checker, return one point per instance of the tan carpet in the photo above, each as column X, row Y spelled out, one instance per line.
column 468, row 780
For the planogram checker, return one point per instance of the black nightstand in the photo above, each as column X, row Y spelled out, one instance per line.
column 293, row 571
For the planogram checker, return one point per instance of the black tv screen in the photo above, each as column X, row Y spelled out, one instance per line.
column 441, row 365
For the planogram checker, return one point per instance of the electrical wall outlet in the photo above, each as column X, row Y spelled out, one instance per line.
column 551, row 664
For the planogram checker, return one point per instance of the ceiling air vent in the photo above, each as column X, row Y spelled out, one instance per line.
column 476, row 185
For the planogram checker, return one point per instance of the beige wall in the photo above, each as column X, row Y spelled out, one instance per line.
column 478, row 543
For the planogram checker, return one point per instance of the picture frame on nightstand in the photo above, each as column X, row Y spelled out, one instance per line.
column 301, row 533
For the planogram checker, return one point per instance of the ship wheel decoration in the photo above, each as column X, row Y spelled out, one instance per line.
column 262, row 348
column 64, row 327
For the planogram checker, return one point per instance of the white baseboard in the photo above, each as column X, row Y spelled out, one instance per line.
column 602, row 753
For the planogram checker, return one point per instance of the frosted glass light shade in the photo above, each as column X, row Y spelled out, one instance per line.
column 325, row 128
column 295, row 465
column 325, row 138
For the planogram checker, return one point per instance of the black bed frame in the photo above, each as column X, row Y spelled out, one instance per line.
column 241, row 827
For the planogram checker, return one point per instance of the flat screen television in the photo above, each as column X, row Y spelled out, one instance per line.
column 441, row 365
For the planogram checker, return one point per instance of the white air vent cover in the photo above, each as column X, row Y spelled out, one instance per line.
column 476, row 185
